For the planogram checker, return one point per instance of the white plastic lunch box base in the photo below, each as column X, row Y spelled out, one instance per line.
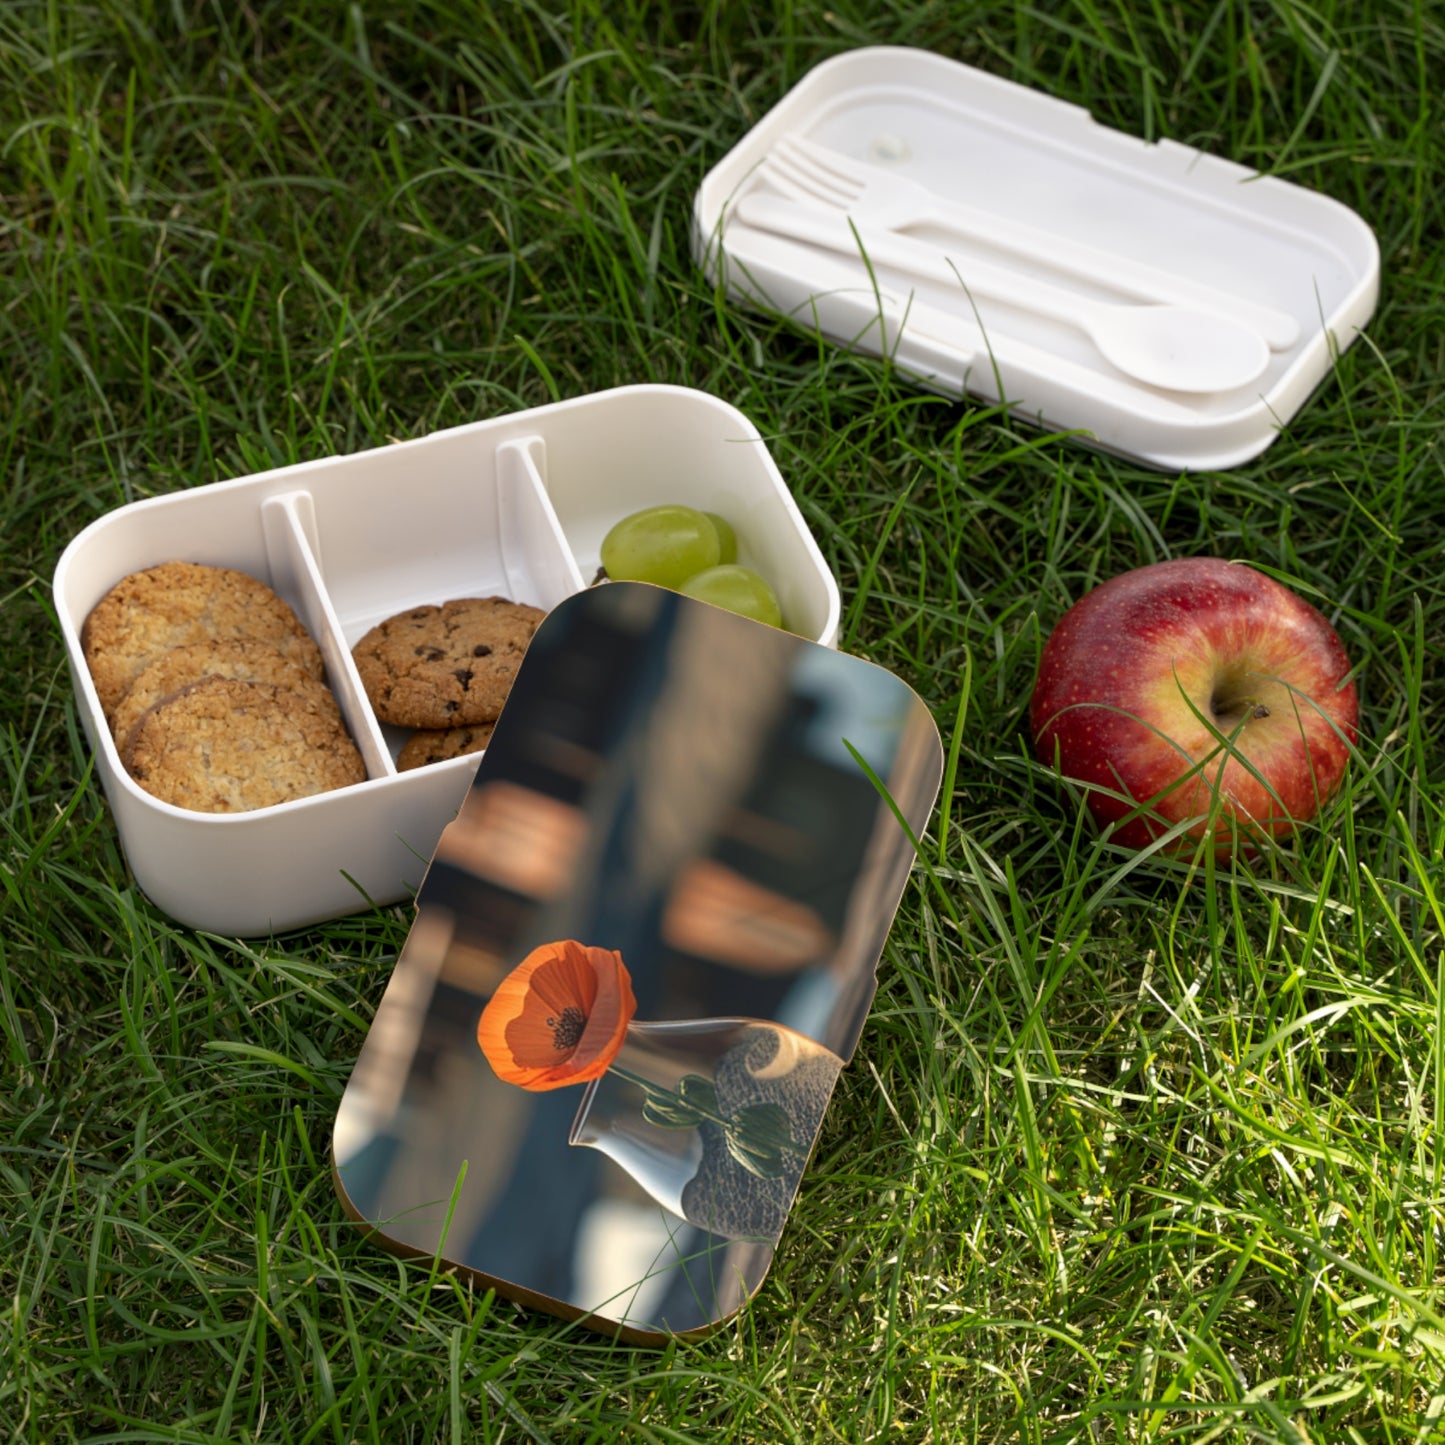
column 1041, row 165
column 516, row 506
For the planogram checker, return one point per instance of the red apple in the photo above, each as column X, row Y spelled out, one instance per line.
column 1203, row 690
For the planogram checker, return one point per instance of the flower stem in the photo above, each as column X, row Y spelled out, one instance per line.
column 662, row 1095
column 734, row 1126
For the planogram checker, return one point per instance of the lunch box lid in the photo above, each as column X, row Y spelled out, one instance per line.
column 641, row 957
column 1151, row 299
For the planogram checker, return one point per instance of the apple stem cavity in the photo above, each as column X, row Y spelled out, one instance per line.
column 1231, row 708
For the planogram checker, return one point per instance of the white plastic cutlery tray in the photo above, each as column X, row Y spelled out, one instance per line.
column 514, row 506
column 1287, row 275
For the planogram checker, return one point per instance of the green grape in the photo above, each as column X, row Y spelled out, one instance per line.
column 738, row 589
column 726, row 537
column 665, row 545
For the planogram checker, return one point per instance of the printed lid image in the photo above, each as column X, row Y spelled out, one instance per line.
column 641, row 956
column 1151, row 299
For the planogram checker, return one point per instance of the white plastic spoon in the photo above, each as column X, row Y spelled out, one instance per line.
column 1178, row 348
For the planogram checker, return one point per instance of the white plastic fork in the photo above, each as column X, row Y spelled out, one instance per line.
column 879, row 198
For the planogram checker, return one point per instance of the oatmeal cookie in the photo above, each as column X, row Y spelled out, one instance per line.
column 227, row 746
column 236, row 657
column 149, row 613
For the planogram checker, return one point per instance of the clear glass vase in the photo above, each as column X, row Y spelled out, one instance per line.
column 713, row 1118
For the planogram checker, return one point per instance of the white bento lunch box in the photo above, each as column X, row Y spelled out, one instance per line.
column 515, row 506
column 897, row 202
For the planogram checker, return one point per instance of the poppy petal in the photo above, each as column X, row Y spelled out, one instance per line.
column 568, row 980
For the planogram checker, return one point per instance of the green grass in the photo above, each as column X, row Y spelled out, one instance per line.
column 1130, row 1151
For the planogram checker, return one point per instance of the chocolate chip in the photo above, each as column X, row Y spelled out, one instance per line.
column 464, row 676
column 481, row 650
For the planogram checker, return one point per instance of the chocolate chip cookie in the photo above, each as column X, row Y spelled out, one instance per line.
column 448, row 666
column 227, row 746
column 436, row 745
column 178, row 603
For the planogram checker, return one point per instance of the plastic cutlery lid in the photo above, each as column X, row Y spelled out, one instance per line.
column 863, row 203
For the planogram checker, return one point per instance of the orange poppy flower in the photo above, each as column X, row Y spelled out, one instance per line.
column 559, row 1017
